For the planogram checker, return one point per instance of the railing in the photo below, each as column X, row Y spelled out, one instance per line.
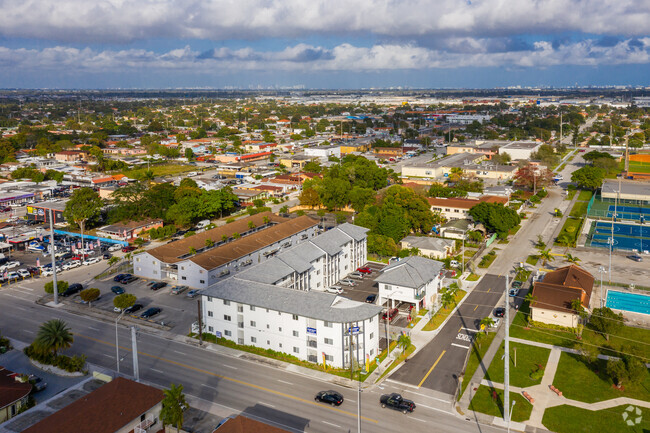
column 145, row 424
column 312, row 343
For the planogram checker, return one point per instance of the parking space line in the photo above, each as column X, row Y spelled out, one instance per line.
column 460, row 345
column 431, row 369
column 157, row 371
column 334, row 425
column 284, row 381
column 475, row 308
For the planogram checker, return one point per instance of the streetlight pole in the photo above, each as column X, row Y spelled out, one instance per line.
column 510, row 416
column 506, row 359
column 55, row 286
column 117, row 346
column 601, row 269
column 610, row 241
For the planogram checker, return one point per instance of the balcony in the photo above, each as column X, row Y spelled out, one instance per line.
column 312, row 343
column 144, row 425
column 419, row 296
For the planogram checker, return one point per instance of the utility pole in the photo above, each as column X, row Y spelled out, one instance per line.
column 55, row 286
column 134, row 348
column 560, row 124
column 200, row 323
column 506, row 361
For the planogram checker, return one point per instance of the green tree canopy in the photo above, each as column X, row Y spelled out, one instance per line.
column 606, row 321
column 588, row 177
column 173, row 406
column 53, row 335
column 495, row 217
column 84, row 206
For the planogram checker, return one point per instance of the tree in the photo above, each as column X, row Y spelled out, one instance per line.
column 53, row 335
column 309, row 197
column 486, row 323
column 546, row 256
column 495, row 217
column 284, row 209
column 404, row 341
column 533, row 177
column 360, row 197
column 617, row 371
column 588, row 177
column 503, row 158
column 606, row 321
column 85, row 205
column 62, row 286
column 209, row 243
column 571, row 259
column 123, row 301
column 173, row 406
column 89, row 295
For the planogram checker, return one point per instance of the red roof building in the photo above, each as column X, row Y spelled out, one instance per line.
column 13, row 394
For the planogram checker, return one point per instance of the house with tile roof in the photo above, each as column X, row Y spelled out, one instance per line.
column 555, row 292
column 13, row 394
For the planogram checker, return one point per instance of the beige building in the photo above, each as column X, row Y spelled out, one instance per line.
column 458, row 208
column 554, row 294
column 435, row 248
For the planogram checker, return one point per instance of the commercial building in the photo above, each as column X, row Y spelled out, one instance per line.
column 323, row 151
column 281, row 305
column 554, row 294
column 631, row 191
column 486, row 149
column 414, row 280
column 440, row 167
column 119, row 406
column 204, row 258
column 41, row 212
column 520, row 150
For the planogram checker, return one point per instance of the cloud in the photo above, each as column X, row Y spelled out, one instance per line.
column 120, row 21
column 344, row 57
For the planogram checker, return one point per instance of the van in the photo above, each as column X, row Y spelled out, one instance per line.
column 203, row 224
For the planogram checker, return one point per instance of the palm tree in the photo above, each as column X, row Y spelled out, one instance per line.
column 571, row 259
column 456, row 174
column 531, row 299
column 546, row 256
column 576, row 305
column 486, row 322
column 173, row 406
column 53, row 336
column 404, row 341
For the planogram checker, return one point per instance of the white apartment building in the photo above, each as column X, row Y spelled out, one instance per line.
column 280, row 304
column 414, row 280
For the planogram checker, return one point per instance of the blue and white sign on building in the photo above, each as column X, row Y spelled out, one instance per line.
column 311, row 330
column 354, row 330
column 218, row 334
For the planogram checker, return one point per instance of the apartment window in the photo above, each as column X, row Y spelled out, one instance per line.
column 370, row 320
column 137, row 260
column 296, row 350
column 252, row 308
column 200, row 271
column 183, row 278
column 327, row 324
column 155, row 272
column 210, row 314
column 372, row 334
column 296, row 334
column 253, row 340
column 209, row 298
column 202, row 281
column 268, row 342
column 280, row 329
column 253, row 323
column 210, row 329
column 372, row 351
column 227, row 318
column 240, row 308
column 280, row 345
column 227, row 333
column 226, row 302
column 329, row 341
column 329, row 358
column 317, row 271
column 317, row 285
column 139, row 269
column 182, row 268
column 295, row 317
column 268, row 326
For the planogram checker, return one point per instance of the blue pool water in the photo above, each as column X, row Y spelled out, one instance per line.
column 628, row 301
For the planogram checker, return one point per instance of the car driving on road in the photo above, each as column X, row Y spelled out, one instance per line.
column 331, row 397
column 397, row 402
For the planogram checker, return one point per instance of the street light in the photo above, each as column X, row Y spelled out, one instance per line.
column 510, row 415
column 601, row 269
column 117, row 346
column 359, row 400
column 610, row 242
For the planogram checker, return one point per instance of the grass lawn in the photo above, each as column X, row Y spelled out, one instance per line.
column 579, row 209
column 590, row 383
column 571, row 419
column 570, row 230
column 442, row 313
column 626, row 336
column 159, row 170
column 528, row 357
column 639, row 167
column 513, row 231
column 484, row 402
column 472, row 277
column 487, row 260
column 475, row 357
column 532, row 260
column 571, row 194
column 585, row 195
column 523, row 276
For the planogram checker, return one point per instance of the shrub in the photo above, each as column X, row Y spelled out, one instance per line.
column 61, row 285
column 68, row 363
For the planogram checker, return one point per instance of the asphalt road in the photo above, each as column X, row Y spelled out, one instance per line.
column 438, row 365
column 231, row 384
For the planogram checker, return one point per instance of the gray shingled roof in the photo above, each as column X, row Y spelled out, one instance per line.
column 331, row 241
column 357, row 232
column 267, row 272
column 412, row 272
column 426, row 242
column 312, row 304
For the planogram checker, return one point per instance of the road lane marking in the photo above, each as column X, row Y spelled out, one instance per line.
column 107, row 355
column 469, row 330
column 284, row 381
column 180, row 353
column 431, row 369
column 334, row 425
column 429, row 397
column 157, row 371
column 460, row 345
column 230, row 379
column 28, row 331
column 94, row 329
column 230, row 366
column 489, row 290
column 417, row 419
column 475, row 308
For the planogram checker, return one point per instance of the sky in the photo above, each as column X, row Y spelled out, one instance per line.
column 323, row 44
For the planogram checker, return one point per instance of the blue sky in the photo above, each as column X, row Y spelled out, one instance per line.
column 323, row 43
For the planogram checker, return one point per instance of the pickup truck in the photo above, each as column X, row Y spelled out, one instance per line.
column 397, row 402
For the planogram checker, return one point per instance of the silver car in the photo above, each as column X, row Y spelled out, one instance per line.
column 348, row 282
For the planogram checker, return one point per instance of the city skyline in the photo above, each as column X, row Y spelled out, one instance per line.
column 419, row 44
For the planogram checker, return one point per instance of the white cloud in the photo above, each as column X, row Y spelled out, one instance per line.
column 108, row 21
column 307, row 58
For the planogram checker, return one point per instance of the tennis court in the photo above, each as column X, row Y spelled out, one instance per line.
column 628, row 212
column 627, row 237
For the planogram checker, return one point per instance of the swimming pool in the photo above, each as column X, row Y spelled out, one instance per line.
column 626, row 301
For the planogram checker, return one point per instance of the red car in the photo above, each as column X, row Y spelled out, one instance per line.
column 365, row 270
column 80, row 257
column 390, row 314
column 128, row 249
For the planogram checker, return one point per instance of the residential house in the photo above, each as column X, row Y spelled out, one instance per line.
column 71, row 155
column 13, row 394
column 458, row 208
column 435, row 248
column 129, row 230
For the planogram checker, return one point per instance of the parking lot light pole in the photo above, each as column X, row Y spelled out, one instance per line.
column 55, row 286
column 601, row 269
column 117, row 345
column 510, row 416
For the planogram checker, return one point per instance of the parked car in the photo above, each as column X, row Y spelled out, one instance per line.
column 635, row 257
column 513, row 292
column 150, row 312
column 517, row 284
column 107, row 256
column 390, row 314
column 159, row 285
column 119, row 277
column 118, row 290
column 128, row 249
column 177, row 290
column 357, row 275
column 37, row 383
column 129, row 279
column 364, row 270
column 499, row 312
column 133, row 308
column 91, row 261
column 370, row 299
column 495, row 323
column 12, row 276
column 192, row 293
column 12, row 264
column 24, row 273
column 75, row 264
column 72, row 289
column 67, row 266
column 115, row 247
column 331, row 397
column 334, row 289
column 397, row 402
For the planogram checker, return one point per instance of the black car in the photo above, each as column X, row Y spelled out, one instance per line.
column 128, row 279
column 119, row 277
column 159, row 285
column 37, row 383
column 331, row 397
column 499, row 312
column 150, row 312
column 371, row 298
column 107, row 256
column 133, row 308
column 72, row 289
column 397, row 402
column 118, row 290
column 635, row 257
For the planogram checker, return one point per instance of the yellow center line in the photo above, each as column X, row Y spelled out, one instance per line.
column 230, row 379
column 489, row 290
column 431, row 369
column 475, row 308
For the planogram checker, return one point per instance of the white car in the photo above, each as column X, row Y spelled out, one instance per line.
column 74, row 264
column 47, row 272
column 495, row 322
column 12, row 264
column 92, row 261
column 23, row 273
column 66, row 266
column 116, row 247
column 334, row 289
column 348, row 282
column 13, row 276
